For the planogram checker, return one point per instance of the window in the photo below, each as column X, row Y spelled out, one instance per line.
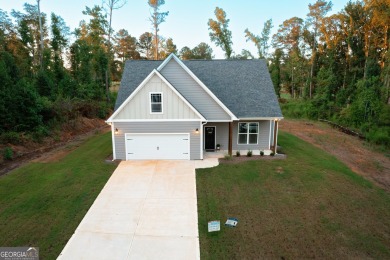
column 156, row 103
column 248, row 133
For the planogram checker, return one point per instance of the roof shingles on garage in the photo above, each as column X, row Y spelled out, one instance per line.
column 244, row 86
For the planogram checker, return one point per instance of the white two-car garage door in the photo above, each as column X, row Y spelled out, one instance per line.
column 157, row 146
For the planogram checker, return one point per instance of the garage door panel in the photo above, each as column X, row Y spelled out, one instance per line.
column 157, row 146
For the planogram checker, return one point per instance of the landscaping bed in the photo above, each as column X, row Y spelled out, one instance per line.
column 237, row 159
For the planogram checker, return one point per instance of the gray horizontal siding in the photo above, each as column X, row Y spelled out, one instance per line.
column 157, row 127
column 263, row 138
column 193, row 92
column 222, row 134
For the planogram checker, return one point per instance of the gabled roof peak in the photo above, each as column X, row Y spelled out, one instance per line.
column 201, row 84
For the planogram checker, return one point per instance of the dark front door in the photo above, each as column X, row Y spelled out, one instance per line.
column 209, row 137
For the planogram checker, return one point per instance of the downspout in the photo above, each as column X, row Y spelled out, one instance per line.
column 113, row 141
column 275, row 136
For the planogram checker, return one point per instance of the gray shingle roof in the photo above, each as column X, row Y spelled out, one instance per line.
column 244, row 86
column 134, row 73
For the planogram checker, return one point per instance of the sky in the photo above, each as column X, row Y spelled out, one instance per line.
column 187, row 21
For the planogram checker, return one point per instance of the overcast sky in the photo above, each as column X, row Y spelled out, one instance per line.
column 187, row 21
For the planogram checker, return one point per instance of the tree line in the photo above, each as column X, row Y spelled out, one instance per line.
column 336, row 67
column 328, row 66
column 333, row 67
column 48, row 80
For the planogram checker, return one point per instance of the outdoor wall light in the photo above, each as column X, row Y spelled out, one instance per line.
column 116, row 131
column 197, row 131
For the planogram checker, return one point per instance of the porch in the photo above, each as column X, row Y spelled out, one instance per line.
column 221, row 138
column 214, row 154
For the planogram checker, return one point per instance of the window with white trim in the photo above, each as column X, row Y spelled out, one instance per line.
column 248, row 133
column 156, row 102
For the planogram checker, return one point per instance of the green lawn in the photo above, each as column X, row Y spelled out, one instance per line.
column 41, row 204
column 307, row 206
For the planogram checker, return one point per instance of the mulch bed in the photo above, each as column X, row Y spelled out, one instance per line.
column 235, row 159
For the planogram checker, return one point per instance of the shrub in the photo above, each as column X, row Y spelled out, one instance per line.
column 10, row 138
column 249, row 153
column 8, row 154
column 104, row 110
column 272, row 154
column 380, row 136
column 228, row 157
column 39, row 133
column 238, row 154
column 261, row 153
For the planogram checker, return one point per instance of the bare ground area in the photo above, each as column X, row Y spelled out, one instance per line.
column 53, row 149
column 364, row 159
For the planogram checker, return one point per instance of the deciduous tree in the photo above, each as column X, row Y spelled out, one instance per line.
column 220, row 33
column 261, row 42
column 145, row 44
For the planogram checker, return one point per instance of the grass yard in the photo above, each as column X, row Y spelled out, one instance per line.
column 41, row 204
column 307, row 206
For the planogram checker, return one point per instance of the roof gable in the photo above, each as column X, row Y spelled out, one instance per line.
column 193, row 92
column 155, row 81
column 173, row 58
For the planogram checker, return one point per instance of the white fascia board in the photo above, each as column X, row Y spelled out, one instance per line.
column 260, row 118
column 208, row 91
column 179, row 95
column 143, row 83
column 219, row 121
column 140, row 86
column 165, row 62
column 155, row 120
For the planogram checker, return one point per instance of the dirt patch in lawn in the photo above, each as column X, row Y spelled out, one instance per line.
column 59, row 153
column 53, row 149
column 359, row 156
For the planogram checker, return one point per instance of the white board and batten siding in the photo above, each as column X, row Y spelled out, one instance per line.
column 159, row 129
column 193, row 92
column 173, row 106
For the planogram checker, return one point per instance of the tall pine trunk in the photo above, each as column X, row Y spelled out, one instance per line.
column 41, row 33
column 155, row 42
column 312, row 72
column 313, row 59
column 107, row 81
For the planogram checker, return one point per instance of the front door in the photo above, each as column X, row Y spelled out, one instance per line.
column 209, row 137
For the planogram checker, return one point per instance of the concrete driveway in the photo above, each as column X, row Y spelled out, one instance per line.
column 147, row 210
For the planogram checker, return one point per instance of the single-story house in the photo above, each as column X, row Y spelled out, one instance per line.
column 176, row 109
